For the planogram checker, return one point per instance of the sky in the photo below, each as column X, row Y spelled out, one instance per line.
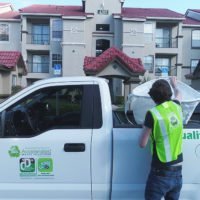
column 176, row 5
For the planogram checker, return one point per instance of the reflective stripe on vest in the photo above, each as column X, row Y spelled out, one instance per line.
column 164, row 134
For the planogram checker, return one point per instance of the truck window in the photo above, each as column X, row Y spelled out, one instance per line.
column 194, row 121
column 50, row 108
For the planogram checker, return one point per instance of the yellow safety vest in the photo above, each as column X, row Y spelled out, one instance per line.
column 167, row 131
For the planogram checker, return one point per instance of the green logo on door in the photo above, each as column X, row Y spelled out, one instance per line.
column 14, row 151
column 45, row 165
column 27, row 165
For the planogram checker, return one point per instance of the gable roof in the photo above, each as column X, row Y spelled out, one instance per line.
column 194, row 10
column 53, row 10
column 10, row 15
column 3, row 4
column 10, row 59
column 190, row 21
column 96, row 64
column 150, row 13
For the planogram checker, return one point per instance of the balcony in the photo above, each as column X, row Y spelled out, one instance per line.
column 163, row 70
column 162, row 42
column 39, row 39
column 38, row 67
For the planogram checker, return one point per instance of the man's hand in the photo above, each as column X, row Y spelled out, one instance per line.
column 177, row 93
column 173, row 81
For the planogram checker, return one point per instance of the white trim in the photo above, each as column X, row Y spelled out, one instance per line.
column 191, row 25
column 41, row 14
column 164, row 134
column 133, row 45
column 117, row 17
column 102, row 35
column 74, row 17
column 10, row 20
column 133, row 19
column 73, row 43
column 166, row 18
column 89, row 15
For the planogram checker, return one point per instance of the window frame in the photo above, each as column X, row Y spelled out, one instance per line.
column 8, row 34
column 40, row 30
column 56, row 59
column 152, row 63
column 60, row 27
column 105, row 27
column 192, row 67
column 101, row 45
column 148, row 35
column 90, row 111
column 192, row 40
column 42, row 57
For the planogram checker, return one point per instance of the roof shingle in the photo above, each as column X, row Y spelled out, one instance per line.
column 2, row 4
column 190, row 21
column 9, row 59
column 149, row 12
column 10, row 15
column 54, row 9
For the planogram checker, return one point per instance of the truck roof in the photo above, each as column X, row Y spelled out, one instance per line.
column 47, row 81
column 68, row 79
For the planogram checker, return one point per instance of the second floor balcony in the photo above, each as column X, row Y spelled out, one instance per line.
column 39, row 39
column 38, row 67
column 165, row 42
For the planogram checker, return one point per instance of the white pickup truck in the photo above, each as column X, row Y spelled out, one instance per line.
column 59, row 139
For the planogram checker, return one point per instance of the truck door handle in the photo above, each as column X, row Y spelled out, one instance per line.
column 74, row 147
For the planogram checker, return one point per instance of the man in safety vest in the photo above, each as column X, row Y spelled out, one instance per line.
column 163, row 125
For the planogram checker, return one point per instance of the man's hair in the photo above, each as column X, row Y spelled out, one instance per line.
column 160, row 91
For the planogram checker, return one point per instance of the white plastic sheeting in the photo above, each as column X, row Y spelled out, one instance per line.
column 140, row 102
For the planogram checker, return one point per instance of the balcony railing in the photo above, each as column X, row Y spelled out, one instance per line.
column 37, row 67
column 165, row 70
column 166, row 42
column 41, row 39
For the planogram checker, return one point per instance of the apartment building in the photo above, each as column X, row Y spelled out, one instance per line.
column 59, row 40
column 12, row 66
column 191, row 48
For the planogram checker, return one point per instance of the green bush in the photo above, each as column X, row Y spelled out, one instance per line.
column 16, row 88
column 119, row 100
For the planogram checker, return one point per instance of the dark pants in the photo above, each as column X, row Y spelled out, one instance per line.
column 165, row 183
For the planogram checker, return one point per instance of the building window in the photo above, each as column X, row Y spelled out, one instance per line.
column 148, row 63
column 162, row 66
column 196, row 38
column 4, row 32
column 194, row 64
column 102, row 27
column 148, row 32
column 40, row 64
column 14, row 80
column 57, row 29
column 101, row 46
column 57, row 63
column 163, row 38
column 40, row 34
